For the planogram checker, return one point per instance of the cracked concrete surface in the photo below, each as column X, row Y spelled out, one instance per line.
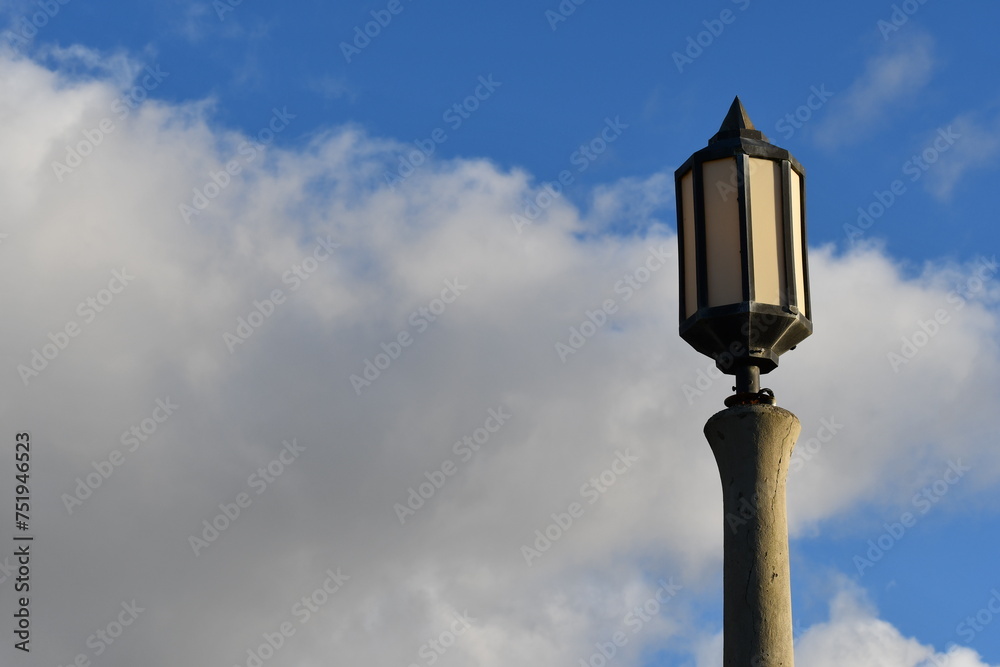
column 752, row 446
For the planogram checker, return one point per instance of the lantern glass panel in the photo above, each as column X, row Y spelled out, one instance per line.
column 795, row 184
column 722, row 233
column 690, row 257
column 767, row 223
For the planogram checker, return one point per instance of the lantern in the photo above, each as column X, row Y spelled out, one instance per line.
column 741, row 232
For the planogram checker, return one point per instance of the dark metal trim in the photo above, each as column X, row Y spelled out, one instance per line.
column 746, row 226
column 790, row 297
column 805, row 245
column 744, row 146
column 751, row 307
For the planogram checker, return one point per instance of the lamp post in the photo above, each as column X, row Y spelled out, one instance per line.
column 744, row 301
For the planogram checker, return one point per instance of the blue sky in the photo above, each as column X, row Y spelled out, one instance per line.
column 296, row 197
column 560, row 78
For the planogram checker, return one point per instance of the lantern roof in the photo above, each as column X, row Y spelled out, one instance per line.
column 736, row 124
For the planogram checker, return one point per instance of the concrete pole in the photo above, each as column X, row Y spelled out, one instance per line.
column 752, row 446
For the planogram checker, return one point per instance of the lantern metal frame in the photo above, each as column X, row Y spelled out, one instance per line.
column 745, row 338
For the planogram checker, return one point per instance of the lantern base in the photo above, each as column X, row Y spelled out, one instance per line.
column 745, row 335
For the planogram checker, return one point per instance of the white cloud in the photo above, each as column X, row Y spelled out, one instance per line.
column 492, row 347
column 855, row 635
column 976, row 148
column 631, row 204
column 889, row 80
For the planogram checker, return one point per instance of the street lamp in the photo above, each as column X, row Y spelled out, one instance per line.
column 744, row 297
column 744, row 301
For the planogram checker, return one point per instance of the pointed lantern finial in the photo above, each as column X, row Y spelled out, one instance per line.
column 737, row 124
